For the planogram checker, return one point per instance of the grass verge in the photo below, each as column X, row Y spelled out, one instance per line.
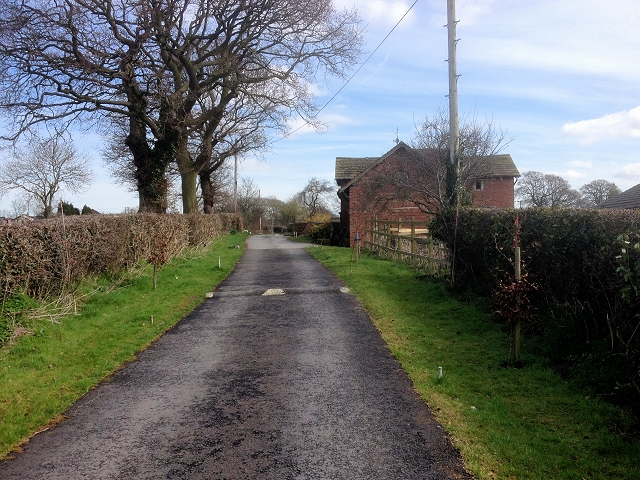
column 508, row 424
column 43, row 374
column 300, row 239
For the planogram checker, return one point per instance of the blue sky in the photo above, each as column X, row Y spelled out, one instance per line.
column 561, row 76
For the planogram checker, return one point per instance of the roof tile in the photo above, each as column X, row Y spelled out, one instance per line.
column 627, row 199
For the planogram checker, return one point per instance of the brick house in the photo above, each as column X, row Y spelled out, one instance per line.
column 494, row 188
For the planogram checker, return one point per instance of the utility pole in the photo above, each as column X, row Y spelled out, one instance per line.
column 235, row 185
column 260, row 211
column 454, row 129
column 453, row 180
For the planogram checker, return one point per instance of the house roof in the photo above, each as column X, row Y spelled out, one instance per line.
column 627, row 199
column 366, row 166
column 348, row 169
column 502, row 166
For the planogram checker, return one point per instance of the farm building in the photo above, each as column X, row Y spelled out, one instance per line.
column 364, row 196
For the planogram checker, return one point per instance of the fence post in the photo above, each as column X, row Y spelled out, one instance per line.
column 384, row 228
column 430, row 256
column 364, row 233
column 374, row 233
column 379, row 226
column 413, row 240
column 517, row 326
column 357, row 242
column 399, row 255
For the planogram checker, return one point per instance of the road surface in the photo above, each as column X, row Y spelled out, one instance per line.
column 280, row 375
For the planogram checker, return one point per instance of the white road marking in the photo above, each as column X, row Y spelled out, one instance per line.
column 273, row 291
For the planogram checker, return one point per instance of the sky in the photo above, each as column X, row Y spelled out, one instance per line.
column 561, row 77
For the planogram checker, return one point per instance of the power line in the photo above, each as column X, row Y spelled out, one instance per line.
column 351, row 77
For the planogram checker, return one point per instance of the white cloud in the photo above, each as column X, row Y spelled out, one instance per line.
column 469, row 11
column 385, row 12
column 579, row 36
column 579, row 164
column 570, row 174
column 326, row 122
column 629, row 170
column 617, row 125
column 333, row 119
column 298, row 127
column 317, row 90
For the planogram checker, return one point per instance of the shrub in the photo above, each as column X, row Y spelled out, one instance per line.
column 587, row 268
column 319, row 231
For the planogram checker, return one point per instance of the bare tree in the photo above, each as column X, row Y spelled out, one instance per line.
column 316, row 196
column 44, row 168
column 598, row 191
column 536, row 189
column 118, row 159
column 428, row 178
column 272, row 211
column 250, row 203
column 21, row 205
column 293, row 210
column 208, row 151
column 170, row 69
column 241, row 131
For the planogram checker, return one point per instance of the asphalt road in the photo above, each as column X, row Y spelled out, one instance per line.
column 280, row 375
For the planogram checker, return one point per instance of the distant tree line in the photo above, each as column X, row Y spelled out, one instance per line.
column 316, row 202
column 546, row 190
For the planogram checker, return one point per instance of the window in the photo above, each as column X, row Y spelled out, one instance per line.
column 402, row 176
column 479, row 185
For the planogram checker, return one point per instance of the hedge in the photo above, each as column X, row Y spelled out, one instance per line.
column 586, row 265
column 46, row 257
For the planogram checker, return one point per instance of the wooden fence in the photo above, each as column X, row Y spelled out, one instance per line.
column 407, row 242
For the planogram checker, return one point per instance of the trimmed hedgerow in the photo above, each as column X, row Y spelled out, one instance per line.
column 586, row 265
column 45, row 258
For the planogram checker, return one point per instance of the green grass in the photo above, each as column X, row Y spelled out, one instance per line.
column 43, row 374
column 508, row 424
column 300, row 239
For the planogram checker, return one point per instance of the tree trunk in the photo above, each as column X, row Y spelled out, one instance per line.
column 189, row 177
column 152, row 185
column 189, row 191
column 209, row 188
column 207, row 191
column 151, row 167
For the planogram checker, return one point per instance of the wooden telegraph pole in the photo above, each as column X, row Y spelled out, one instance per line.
column 454, row 128
column 235, row 185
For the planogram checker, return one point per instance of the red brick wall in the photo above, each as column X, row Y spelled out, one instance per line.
column 496, row 192
column 358, row 213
